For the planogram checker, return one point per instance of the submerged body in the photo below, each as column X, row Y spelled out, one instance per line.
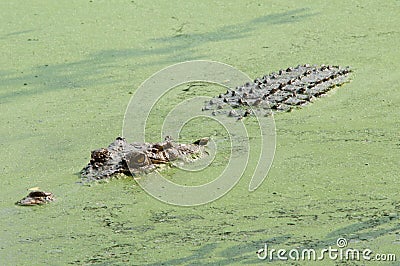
column 280, row 91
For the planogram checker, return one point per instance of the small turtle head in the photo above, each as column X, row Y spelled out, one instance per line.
column 36, row 197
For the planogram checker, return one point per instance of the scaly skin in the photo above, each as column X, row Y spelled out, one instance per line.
column 281, row 91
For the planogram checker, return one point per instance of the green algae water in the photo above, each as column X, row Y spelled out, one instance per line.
column 69, row 68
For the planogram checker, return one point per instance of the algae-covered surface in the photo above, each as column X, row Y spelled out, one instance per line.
column 69, row 68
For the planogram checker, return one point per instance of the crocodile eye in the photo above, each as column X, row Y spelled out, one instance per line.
column 140, row 158
column 136, row 159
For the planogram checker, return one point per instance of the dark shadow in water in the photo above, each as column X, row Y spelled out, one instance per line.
column 97, row 68
column 292, row 16
column 238, row 30
column 202, row 253
column 369, row 224
column 15, row 33
column 362, row 231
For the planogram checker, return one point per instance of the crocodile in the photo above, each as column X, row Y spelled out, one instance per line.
column 279, row 91
column 276, row 92
column 136, row 158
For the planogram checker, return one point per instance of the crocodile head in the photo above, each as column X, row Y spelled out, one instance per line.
column 138, row 158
